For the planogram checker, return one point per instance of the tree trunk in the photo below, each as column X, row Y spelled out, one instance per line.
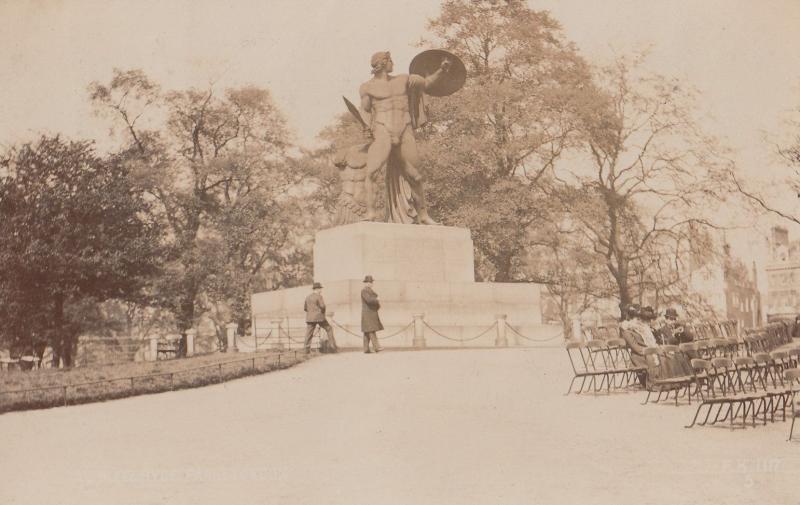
column 186, row 309
column 57, row 338
column 625, row 298
column 503, row 266
column 70, row 346
column 64, row 341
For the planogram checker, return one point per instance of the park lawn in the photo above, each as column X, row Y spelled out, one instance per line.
column 43, row 388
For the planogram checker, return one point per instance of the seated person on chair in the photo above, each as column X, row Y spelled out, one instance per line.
column 638, row 337
column 672, row 364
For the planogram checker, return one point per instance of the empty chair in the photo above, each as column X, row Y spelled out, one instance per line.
column 748, row 373
column 598, row 354
column 780, row 362
column 725, row 374
column 792, row 378
column 794, row 357
column 583, row 362
column 766, row 366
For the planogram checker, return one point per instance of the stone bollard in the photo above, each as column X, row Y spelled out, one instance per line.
column 501, row 340
column 153, row 349
column 191, row 333
column 419, row 331
column 577, row 330
column 231, row 328
column 277, row 333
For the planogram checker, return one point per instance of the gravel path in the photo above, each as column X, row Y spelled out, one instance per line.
column 436, row 427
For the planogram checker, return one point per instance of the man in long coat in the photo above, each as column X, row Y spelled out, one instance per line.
column 315, row 316
column 370, row 322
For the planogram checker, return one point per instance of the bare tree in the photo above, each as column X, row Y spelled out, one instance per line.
column 652, row 180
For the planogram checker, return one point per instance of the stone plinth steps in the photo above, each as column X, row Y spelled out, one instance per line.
column 422, row 271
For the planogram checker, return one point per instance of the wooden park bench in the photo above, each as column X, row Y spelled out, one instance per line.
column 168, row 348
column 6, row 361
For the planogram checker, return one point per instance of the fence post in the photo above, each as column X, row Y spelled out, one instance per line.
column 65, row 396
column 232, row 327
column 419, row 331
column 276, row 327
column 288, row 331
column 501, row 340
column 191, row 333
column 153, row 348
column 254, row 331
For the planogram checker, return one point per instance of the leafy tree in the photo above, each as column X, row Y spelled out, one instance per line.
column 74, row 229
column 495, row 142
column 218, row 170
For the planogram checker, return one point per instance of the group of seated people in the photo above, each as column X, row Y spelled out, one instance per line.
column 642, row 328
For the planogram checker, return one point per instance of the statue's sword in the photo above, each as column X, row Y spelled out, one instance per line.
column 354, row 111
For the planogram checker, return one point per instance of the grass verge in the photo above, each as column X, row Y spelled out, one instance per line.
column 46, row 388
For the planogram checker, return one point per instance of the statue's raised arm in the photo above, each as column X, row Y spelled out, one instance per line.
column 443, row 71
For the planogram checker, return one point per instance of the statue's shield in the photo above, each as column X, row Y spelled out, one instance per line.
column 428, row 62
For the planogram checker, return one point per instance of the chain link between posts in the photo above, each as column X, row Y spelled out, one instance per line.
column 256, row 341
column 484, row 332
column 398, row 332
column 427, row 325
column 548, row 339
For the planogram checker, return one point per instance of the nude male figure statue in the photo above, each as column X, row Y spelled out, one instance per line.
column 385, row 99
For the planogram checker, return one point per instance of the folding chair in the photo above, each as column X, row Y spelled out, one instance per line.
column 747, row 365
column 680, row 385
column 584, row 369
column 766, row 366
column 729, row 406
column 792, row 377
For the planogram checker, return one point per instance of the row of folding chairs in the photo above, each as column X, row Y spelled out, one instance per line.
column 605, row 364
column 755, row 387
column 707, row 330
column 768, row 338
column 602, row 365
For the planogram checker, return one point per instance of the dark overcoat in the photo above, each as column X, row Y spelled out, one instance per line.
column 369, row 311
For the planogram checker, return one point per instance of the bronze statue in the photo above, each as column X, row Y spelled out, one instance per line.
column 393, row 106
column 351, row 206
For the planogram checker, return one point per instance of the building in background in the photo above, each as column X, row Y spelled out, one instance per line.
column 727, row 289
column 783, row 275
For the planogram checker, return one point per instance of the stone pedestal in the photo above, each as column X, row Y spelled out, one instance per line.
column 418, row 270
column 396, row 252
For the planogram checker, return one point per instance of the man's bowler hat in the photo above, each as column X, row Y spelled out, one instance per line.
column 317, row 285
column 368, row 279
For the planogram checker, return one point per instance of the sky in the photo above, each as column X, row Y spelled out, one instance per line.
column 741, row 54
